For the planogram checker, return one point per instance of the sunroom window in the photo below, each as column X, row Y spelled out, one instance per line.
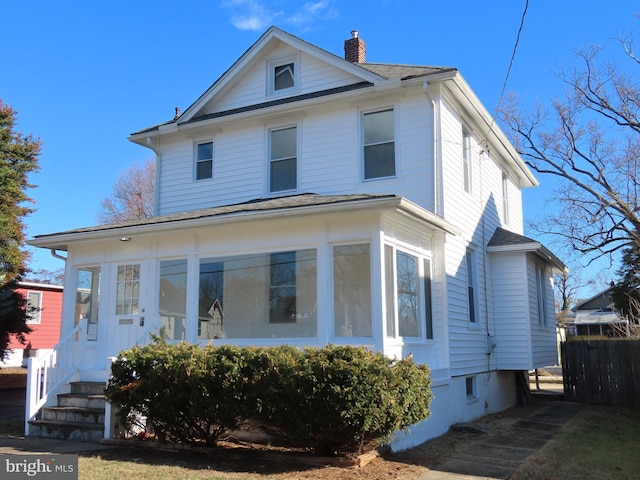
column 352, row 290
column 265, row 295
column 408, row 294
column 173, row 298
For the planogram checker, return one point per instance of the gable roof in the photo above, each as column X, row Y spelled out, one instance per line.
column 598, row 301
column 506, row 241
column 302, row 204
column 369, row 74
column 273, row 33
column 365, row 75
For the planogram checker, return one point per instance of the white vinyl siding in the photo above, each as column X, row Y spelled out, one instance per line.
column 253, row 88
column 325, row 167
column 511, row 296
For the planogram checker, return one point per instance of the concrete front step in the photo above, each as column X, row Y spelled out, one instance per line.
column 89, row 388
column 74, row 414
column 84, row 432
column 81, row 400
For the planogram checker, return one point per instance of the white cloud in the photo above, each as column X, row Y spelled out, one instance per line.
column 256, row 16
column 250, row 14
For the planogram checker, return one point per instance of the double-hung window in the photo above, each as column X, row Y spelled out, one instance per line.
column 541, row 293
column 283, row 159
column 505, row 198
column 471, row 286
column 408, row 294
column 204, row 160
column 34, row 307
column 379, row 144
column 466, row 160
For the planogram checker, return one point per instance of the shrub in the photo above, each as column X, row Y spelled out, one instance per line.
column 335, row 400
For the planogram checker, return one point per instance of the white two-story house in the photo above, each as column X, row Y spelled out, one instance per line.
column 311, row 199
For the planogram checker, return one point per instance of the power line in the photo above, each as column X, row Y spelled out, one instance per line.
column 506, row 78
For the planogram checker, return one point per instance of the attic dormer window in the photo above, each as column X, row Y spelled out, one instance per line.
column 283, row 75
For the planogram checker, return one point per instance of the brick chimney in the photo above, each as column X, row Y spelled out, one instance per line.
column 354, row 48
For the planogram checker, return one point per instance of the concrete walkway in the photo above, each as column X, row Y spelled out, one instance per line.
column 496, row 456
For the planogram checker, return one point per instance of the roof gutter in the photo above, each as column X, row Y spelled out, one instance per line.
column 59, row 241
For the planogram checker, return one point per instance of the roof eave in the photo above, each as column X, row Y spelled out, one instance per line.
column 61, row 241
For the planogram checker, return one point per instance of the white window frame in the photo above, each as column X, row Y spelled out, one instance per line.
column 505, row 197
column 34, row 316
column 471, row 388
column 471, row 267
column 197, row 161
column 363, row 114
column 270, row 161
column 425, row 305
column 271, row 73
column 467, row 160
column 541, row 294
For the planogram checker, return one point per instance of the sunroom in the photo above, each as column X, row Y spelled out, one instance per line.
column 306, row 270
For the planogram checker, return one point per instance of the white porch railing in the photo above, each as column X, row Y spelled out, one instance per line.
column 49, row 372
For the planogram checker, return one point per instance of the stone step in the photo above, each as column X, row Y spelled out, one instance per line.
column 81, row 400
column 74, row 414
column 83, row 432
column 91, row 388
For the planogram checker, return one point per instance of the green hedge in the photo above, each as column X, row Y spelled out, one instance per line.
column 336, row 399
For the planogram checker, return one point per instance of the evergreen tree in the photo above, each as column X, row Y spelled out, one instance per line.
column 626, row 292
column 18, row 158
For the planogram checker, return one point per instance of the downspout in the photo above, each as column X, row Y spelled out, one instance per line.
column 57, row 255
column 156, row 180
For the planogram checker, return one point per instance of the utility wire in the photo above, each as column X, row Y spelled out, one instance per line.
column 506, row 78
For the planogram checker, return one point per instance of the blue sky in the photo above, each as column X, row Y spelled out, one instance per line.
column 84, row 75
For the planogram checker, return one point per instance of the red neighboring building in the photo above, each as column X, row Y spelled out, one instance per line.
column 45, row 323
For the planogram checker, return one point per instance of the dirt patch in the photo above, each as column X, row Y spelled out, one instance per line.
column 260, row 463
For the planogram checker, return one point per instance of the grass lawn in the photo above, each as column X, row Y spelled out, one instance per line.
column 601, row 442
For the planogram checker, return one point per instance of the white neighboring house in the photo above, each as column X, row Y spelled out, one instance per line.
column 310, row 199
column 597, row 317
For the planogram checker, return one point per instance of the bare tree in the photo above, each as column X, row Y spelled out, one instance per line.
column 590, row 140
column 132, row 196
column 49, row 277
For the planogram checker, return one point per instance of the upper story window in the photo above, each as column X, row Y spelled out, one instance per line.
column 471, row 286
column 379, row 144
column 505, row 198
column 408, row 294
column 283, row 153
column 466, row 160
column 34, row 305
column 204, row 160
column 283, row 75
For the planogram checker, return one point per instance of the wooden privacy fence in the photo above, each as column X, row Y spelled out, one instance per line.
column 602, row 371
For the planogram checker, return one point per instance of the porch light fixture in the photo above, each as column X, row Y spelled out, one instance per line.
column 124, row 239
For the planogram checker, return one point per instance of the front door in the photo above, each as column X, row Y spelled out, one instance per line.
column 128, row 312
